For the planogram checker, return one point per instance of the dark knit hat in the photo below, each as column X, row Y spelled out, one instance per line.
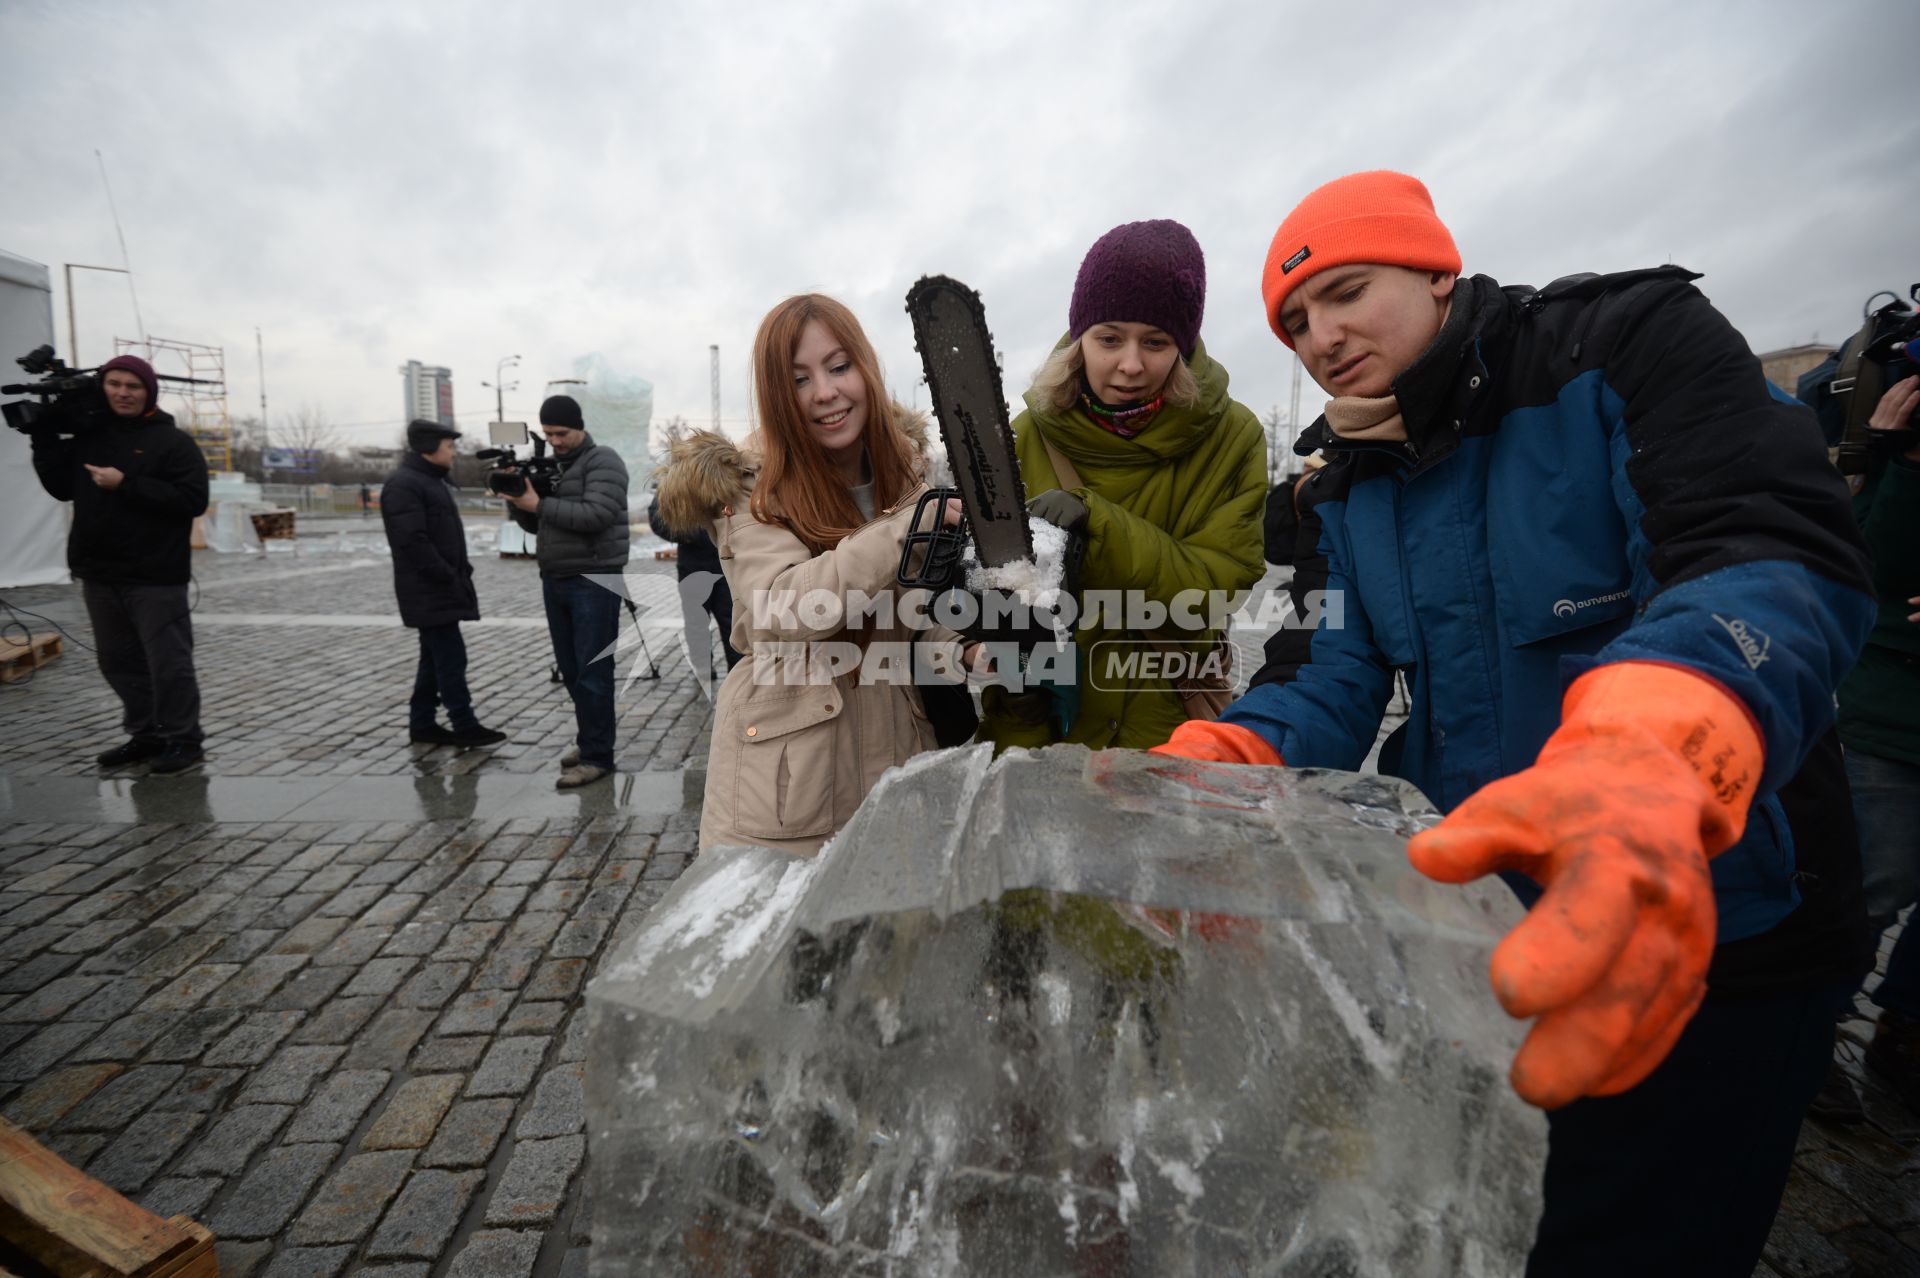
column 423, row 436
column 1379, row 218
column 1143, row 273
column 140, row 369
column 561, row 410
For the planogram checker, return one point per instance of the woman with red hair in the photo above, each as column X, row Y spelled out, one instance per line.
column 811, row 515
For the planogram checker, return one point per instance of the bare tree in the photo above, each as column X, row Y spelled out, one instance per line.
column 307, row 431
column 312, row 438
column 248, row 442
column 248, row 431
column 662, row 437
column 1279, row 445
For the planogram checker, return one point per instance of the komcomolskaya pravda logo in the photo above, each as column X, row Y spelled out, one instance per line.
column 1565, row 608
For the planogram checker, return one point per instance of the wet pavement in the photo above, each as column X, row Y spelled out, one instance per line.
column 323, row 993
column 1852, row 1205
column 425, row 797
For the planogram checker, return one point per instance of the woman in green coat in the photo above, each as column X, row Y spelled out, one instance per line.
column 1130, row 436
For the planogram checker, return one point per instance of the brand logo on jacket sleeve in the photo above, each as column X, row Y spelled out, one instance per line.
column 1753, row 643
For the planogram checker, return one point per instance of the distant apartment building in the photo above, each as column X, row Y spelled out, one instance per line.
column 1784, row 367
column 429, row 392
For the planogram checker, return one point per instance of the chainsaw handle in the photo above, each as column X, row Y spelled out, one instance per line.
column 940, row 544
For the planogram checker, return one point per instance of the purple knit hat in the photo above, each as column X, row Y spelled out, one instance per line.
column 1143, row 273
column 140, row 369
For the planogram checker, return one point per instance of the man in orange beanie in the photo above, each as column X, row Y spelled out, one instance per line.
column 1623, row 583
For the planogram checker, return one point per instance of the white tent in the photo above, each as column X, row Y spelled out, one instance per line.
column 33, row 526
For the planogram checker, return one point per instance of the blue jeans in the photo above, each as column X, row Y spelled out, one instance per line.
column 583, row 620
column 441, row 679
column 1886, row 805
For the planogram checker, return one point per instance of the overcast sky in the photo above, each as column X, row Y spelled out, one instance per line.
column 372, row 183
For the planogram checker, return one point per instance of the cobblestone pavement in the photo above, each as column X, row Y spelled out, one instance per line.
column 351, row 1045
column 345, row 1044
column 1852, row 1205
column 354, row 1043
column 305, row 670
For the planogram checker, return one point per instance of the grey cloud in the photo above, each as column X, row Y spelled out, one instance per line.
column 376, row 182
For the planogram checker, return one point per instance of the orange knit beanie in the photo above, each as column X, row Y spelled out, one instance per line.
column 1376, row 217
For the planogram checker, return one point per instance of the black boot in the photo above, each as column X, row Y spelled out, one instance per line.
column 477, row 735
column 178, row 756
column 1836, row 1101
column 1893, row 1056
column 132, row 752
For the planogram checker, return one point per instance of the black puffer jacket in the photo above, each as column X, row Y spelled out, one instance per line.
column 697, row 551
column 141, row 533
column 582, row 524
column 431, row 575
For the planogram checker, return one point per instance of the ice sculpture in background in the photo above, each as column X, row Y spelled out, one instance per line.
column 228, row 529
column 1067, row 1013
column 616, row 409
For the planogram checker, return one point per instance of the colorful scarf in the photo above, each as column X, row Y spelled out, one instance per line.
column 1125, row 422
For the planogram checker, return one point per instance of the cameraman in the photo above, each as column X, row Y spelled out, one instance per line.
column 1880, row 727
column 136, row 482
column 582, row 528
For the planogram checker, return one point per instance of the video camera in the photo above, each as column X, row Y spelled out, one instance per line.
column 1846, row 389
column 513, row 470
column 60, row 383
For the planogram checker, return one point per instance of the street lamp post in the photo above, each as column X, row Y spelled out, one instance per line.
column 499, row 391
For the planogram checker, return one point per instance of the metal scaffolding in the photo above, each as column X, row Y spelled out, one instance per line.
column 194, row 378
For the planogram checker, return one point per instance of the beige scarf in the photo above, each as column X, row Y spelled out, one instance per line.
column 1354, row 417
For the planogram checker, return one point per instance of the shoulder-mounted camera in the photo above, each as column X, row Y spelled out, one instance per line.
column 58, row 384
column 1844, row 391
column 513, row 470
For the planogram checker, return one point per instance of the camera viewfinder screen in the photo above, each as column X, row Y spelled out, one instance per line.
column 507, row 434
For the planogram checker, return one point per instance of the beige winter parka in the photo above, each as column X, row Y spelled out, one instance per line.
column 799, row 738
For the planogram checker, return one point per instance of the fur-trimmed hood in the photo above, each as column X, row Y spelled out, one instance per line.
column 706, row 472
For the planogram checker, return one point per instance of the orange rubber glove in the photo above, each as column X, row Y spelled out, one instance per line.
column 1649, row 774
column 1214, row 742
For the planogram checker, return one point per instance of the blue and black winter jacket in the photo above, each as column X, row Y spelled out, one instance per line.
column 1595, row 471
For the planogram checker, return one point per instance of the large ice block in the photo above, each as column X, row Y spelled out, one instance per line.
column 1067, row 1013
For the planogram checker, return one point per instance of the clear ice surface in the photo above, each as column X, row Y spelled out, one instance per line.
column 1067, row 1013
column 617, row 409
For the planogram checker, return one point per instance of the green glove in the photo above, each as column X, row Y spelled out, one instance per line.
column 1060, row 508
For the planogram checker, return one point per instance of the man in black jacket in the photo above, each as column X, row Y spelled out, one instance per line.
column 434, row 583
column 136, row 482
column 582, row 530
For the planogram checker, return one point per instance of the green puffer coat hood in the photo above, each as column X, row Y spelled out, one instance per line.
column 1175, row 508
column 1173, row 432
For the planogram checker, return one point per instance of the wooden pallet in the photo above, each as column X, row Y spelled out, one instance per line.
column 19, row 660
column 274, row 525
column 54, row 1219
